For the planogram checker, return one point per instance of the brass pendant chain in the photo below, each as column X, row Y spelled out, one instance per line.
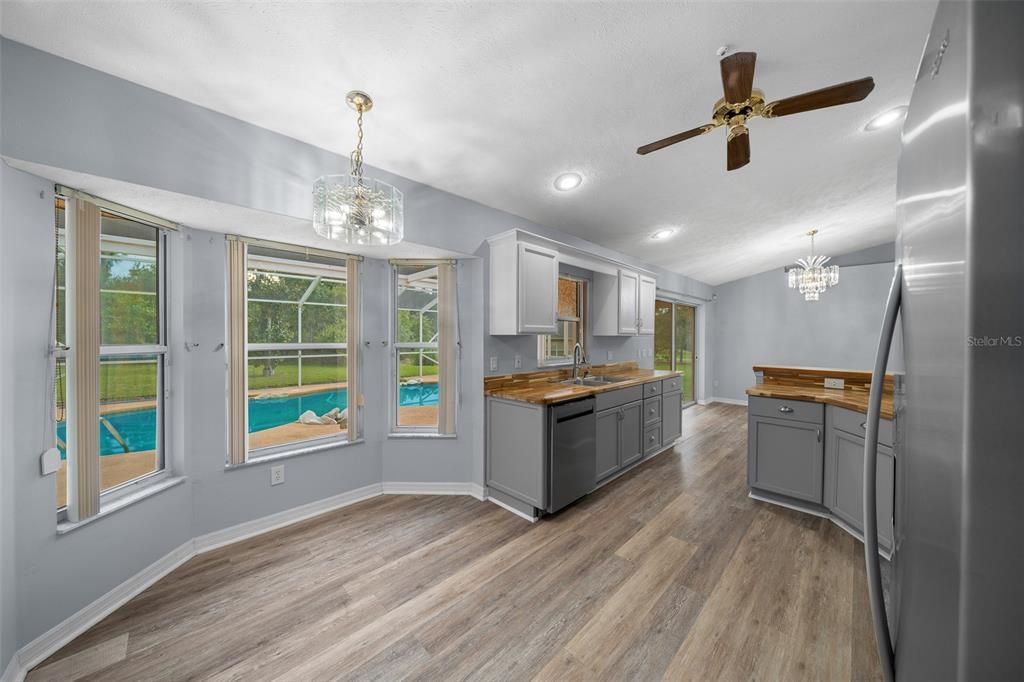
column 356, row 158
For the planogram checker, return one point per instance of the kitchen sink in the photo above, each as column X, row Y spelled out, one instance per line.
column 590, row 381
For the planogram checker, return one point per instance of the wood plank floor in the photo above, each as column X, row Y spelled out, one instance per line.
column 670, row 572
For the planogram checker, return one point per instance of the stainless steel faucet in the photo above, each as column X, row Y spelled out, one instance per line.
column 579, row 358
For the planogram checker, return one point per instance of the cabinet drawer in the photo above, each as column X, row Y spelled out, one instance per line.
column 652, row 439
column 652, row 388
column 851, row 422
column 652, row 410
column 798, row 410
column 618, row 397
column 673, row 384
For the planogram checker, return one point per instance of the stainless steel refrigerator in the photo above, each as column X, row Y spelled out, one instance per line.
column 957, row 604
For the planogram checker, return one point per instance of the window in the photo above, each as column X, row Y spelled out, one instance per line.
column 556, row 349
column 425, row 342
column 110, row 352
column 675, row 342
column 295, row 316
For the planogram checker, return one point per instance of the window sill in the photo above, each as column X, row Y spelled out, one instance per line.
column 297, row 452
column 65, row 527
column 414, row 434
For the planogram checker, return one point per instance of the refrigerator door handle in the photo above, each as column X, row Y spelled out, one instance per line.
column 882, row 637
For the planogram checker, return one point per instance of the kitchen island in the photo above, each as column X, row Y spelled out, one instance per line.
column 551, row 440
column 805, row 444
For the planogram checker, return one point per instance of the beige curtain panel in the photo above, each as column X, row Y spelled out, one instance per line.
column 238, row 433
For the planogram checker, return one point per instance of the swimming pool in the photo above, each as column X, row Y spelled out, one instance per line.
column 138, row 427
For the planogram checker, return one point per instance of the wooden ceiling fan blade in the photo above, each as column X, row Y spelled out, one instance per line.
column 738, row 76
column 678, row 137
column 738, row 151
column 844, row 93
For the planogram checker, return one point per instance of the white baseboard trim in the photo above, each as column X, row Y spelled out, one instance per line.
column 432, row 488
column 727, row 401
column 51, row 641
column 248, row 529
column 46, row 644
column 512, row 509
column 14, row 672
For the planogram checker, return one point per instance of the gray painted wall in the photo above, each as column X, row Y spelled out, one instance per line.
column 759, row 320
column 126, row 132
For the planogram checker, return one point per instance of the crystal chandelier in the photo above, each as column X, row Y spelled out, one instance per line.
column 352, row 209
column 811, row 276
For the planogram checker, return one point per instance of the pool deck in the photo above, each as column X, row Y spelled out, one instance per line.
column 117, row 469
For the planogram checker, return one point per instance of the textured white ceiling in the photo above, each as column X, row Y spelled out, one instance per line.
column 492, row 100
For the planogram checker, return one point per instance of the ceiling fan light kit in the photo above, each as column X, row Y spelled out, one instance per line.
column 743, row 102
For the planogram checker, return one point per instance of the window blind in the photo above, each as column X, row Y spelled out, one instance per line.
column 238, row 432
column 83, row 274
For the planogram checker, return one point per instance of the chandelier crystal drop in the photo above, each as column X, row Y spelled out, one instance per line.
column 352, row 209
column 811, row 275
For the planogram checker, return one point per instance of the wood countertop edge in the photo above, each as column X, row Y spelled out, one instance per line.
column 857, row 402
column 553, row 396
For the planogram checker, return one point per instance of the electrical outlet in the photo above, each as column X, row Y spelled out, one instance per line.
column 519, row 362
column 610, row 356
column 494, row 364
column 834, row 383
column 277, row 474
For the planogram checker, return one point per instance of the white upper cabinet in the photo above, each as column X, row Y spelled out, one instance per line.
column 623, row 304
column 628, row 288
column 645, row 304
column 524, row 288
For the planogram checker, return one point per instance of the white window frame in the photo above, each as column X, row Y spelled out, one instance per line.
column 394, row 393
column 113, row 495
column 317, row 271
column 543, row 340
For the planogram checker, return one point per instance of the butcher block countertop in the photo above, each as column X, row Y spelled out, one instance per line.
column 542, row 388
column 808, row 383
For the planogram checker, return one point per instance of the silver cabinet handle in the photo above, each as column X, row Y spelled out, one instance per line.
column 863, row 425
column 652, row 410
column 882, row 637
column 819, row 435
column 785, row 409
column 651, row 438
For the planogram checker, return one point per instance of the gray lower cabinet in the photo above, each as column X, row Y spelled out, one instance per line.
column 608, row 442
column 671, row 416
column 785, row 456
column 844, row 483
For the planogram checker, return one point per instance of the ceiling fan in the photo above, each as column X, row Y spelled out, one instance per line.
column 743, row 102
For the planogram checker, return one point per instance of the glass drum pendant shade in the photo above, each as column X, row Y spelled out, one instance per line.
column 355, row 210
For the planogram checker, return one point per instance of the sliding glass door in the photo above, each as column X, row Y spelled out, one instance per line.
column 675, row 336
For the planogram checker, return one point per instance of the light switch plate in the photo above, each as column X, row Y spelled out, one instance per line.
column 834, row 383
column 519, row 362
column 277, row 474
column 494, row 364
column 610, row 356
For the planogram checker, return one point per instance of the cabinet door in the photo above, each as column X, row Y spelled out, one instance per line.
column 647, row 291
column 607, row 443
column 785, row 457
column 538, row 290
column 846, row 482
column 629, row 283
column 671, row 417
column 631, row 434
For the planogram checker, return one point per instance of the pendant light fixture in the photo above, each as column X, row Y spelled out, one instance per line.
column 352, row 209
column 811, row 275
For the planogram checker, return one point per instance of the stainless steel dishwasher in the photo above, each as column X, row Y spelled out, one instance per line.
column 572, row 469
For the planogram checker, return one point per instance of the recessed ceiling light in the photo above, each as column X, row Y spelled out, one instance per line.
column 568, row 181
column 663, row 234
column 887, row 118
